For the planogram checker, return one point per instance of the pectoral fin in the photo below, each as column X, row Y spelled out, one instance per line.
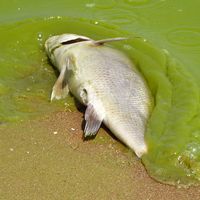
column 60, row 89
column 93, row 120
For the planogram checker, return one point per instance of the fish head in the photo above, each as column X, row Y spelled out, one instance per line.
column 56, row 45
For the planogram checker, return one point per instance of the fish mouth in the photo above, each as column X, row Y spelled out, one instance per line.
column 50, row 44
column 75, row 41
column 54, row 42
column 68, row 43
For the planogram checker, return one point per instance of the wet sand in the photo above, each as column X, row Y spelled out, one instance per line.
column 47, row 159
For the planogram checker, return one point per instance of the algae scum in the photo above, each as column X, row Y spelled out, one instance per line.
column 173, row 133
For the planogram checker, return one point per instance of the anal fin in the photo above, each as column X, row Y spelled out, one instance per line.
column 93, row 120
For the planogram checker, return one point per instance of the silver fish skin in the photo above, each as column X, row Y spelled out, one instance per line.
column 106, row 82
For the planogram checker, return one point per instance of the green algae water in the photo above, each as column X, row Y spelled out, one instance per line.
column 167, row 54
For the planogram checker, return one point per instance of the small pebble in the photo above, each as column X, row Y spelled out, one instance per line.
column 11, row 149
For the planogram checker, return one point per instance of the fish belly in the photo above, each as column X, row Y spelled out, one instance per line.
column 123, row 94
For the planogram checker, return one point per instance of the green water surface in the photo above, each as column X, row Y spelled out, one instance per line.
column 167, row 54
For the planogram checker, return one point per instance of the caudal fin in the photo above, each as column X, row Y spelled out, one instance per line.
column 141, row 151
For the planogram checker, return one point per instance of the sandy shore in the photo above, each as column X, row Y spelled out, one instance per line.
column 47, row 159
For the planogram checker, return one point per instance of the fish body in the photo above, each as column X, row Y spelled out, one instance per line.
column 106, row 82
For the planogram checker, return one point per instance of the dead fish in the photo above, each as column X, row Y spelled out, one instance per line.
column 106, row 82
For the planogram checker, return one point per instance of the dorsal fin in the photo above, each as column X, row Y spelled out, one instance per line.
column 101, row 42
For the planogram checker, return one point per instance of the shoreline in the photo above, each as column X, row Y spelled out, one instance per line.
column 47, row 159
